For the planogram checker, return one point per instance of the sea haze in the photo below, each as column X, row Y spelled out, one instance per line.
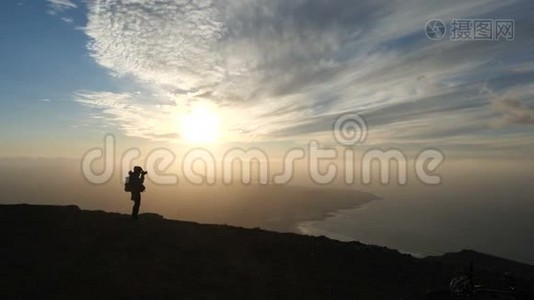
column 480, row 205
column 280, row 208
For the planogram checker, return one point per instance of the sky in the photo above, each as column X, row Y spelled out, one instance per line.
column 252, row 72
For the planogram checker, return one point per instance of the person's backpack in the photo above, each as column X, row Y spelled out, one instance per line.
column 127, row 187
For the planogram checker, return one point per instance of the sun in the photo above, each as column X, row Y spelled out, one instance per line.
column 201, row 125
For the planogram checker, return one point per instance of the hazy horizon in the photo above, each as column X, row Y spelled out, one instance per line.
column 476, row 211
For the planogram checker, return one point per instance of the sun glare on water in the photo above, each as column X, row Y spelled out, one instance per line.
column 201, row 125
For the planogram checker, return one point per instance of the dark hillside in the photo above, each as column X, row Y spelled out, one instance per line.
column 64, row 252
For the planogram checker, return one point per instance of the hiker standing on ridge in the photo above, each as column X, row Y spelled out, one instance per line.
column 134, row 184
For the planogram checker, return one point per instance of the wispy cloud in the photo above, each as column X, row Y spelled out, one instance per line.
column 59, row 6
column 514, row 111
column 63, row 4
column 287, row 68
column 67, row 20
column 128, row 112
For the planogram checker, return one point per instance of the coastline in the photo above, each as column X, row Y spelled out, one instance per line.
column 313, row 228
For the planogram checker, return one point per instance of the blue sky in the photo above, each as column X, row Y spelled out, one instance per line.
column 43, row 61
column 268, row 71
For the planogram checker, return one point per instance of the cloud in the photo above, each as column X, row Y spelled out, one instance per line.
column 59, row 6
column 62, row 4
column 135, row 117
column 288, row 68
column 514, row 111
column 67, row 20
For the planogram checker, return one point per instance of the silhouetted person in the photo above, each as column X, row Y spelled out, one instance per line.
column 136, row 180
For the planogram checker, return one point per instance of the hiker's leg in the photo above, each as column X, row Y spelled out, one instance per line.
column 135, row 209
column 137, row 202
